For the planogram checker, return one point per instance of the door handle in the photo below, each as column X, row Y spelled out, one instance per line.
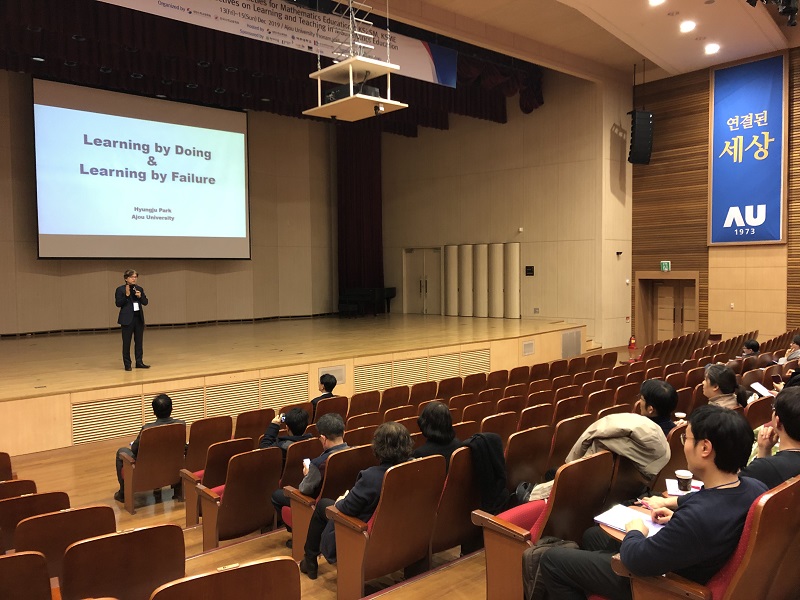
column 426, row 286
column 420, row 287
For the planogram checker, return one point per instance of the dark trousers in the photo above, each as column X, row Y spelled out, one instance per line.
column 119, row 466
column 315, row 528
column 570, row 574
column 136, row 331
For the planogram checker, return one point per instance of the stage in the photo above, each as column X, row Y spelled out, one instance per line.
column 60, row 390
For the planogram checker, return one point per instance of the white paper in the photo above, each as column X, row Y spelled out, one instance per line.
column 618, row 516
column 761, row 390
column 135, row 306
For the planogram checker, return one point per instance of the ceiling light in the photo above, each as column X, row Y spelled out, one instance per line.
column 37, row 59
column 687, row 26
column 712, row 48
column 657, row 2
column 160, row 96
column 105, row 70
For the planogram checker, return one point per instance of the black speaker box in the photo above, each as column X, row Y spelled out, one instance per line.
column 641, row 137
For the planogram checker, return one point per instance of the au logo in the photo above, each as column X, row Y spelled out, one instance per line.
column 753, row 216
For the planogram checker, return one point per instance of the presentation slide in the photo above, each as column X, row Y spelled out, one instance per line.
column 122, row 176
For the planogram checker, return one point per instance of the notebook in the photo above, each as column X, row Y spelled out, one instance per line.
column 618, row 516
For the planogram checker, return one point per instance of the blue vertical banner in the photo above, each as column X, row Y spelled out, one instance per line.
column 747, row 153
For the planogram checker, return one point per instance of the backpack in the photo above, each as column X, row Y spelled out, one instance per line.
column 531, row 577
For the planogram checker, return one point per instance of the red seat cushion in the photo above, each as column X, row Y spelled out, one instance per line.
column 286, row 515
column 199, row 474
column 526, row 515
column 219, row 490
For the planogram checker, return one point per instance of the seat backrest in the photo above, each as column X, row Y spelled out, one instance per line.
column 503, row 424
column 695, row 376
column 253, row 423
column 534, row 416
column 767, row 552
column 677, row 460
column 539, row 371
column 576, row 365
column 684, row 400
column 461, row 401
column 246, row 504
column 127, row 565
column 627, row 393
column 567, row 392
column 420, row 392
column 364, row 402
column 410, row 423
column 400, row 412
column 449, row 387
column 342, row 469
column 613, row 382
column 526, row 455
column 12, row 488
column 590, row 387
column 540, row 385
column 459, row 498
column 334, row 404
column 474, row 383
column 203, row 433
column 609, row 359
column 626, row 482
column 512, row 403
column 542, row 397
column 497, row 379
column 160, row 457
column 403, row 521
column 568, row 407
column 466, row 429
column 622, row 369
column 490, row 395
column 613, row 410
column 594, row 362
column 677, row 368
column 295, row 453
column 565, row 434
column 677, row 379
column 5, row 466
column 219, row 454
column 580, row 378
column 765, row 359
column 14, row 510
column 393, row 397
column 599, row 400
column 23, row 576
column 561, row 381
column 254, row 581
column 359, row 436
column 751, row 377
column 364, row 420
column 635, row 377
column 519, row 374
column 579, row 489
column 478, row 411
column 759, row 411
column 558, row 368
column 52, row 533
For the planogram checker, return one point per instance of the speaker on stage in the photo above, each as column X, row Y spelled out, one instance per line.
column 641, row 137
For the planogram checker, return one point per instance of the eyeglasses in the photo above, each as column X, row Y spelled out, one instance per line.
column 684, row 437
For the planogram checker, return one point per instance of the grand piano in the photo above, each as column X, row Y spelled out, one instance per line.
column 356, row 302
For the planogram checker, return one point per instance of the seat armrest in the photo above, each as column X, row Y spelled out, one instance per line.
column 293, row 494
column 189, row 477
column 207, row 493
column 127, row 458
column 666, row 586
column 488, row 521
column 349, row 522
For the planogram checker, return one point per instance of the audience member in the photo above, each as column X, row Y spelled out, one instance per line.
column 436, row 425
column 698, row 537
column 657, row 401
column 331, row 431
column 296, row 421
column 326, row 384
column 721, row 388
column 784, row 430
column 750, row 347
column 392, row 445
column 793, row 352
column 162, row 409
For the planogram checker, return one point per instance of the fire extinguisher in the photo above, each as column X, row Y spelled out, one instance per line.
column 632, row 343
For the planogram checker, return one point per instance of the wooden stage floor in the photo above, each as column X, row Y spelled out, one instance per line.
column 42, row 365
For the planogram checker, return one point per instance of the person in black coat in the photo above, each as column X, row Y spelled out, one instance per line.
column 436, row 425
column 130, row 298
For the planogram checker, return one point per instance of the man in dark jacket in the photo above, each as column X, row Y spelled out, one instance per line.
column 296, row 420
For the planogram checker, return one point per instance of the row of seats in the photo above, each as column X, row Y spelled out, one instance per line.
column 676, row 349
column 780, row 343
column 731, row 346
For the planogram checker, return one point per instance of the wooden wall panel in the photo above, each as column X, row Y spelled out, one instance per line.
column 670, row 195
column 793, row 196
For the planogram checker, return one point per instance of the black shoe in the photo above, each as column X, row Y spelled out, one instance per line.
column 128, row 368
column 289, row 543
column 157, row 495
column 119, row 496
column 142, row 366
column 309, row 567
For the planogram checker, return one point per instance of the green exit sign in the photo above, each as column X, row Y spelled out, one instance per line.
column 666, row 265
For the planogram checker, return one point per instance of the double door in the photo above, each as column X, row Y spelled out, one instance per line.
column 423, row 281
column 676, row 312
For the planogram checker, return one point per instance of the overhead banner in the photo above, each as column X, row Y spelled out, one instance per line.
column 748, row 153
column 287, row 24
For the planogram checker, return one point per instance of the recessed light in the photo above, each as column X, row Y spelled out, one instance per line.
column 712, row 48
column 78, row 37
column 219, row 90
column 687, row 26
column 37, row 59
column 657, row 2
column 136, row 76
column 70, row 63
column 105, row 70
column 265, row 100
column 203, row 64
column 160, row 96
column 192, row 86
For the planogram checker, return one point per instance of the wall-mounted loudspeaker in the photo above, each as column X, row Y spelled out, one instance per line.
column 641, row 137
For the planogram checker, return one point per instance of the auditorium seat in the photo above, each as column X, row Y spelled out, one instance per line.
column 764, row 564
column 52, row 533
column 613, row 382
column 590, row 387
column 478, row 411
column 334, row 404
column 566, row 392
column 609, row 359
column 497, row 379
column 568, row 407
column 577, row 364
column 203, row 433
column 526, row 455
column 676, row 368
column 16, row 487
column 562, row 381
column 581, row 378
column 558, row 368
column 254, row 581
column 128, row 566
column 398, row 535
column 613, row 410
column 503, row 424
column 534, row 416
column 295, row 453
column 158, row 462
column 357, row 437
column 491, row 395
column 363, row 420
column 5, row 467
column 602, row 374
column 515, row 404
column 627, row 393
column 243, row 504
column 599, row 400
column 594, row 362
column 542, row 397
column 306, row 406
column 540, row 385
column 410, row 423
column 677, row 460
column 364, row 402
column 341, row 472
column 565, row 434
column 393, row 397
column 253, row 423
column 448, row 388
column 577, row 496
column 684, row 400
column 759, row 411
column 400, row 412
column 695, row 376
column 453, row 525
column 14, row 510
column 676, row 380
column 539, row 371
column 23, row 576
column 212, row 475
column 519, row 375
column 751, row 377
column 474, row 383
column 422, row 392
column 466, row 429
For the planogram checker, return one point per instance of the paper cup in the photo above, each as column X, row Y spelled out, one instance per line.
column 684, row 478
